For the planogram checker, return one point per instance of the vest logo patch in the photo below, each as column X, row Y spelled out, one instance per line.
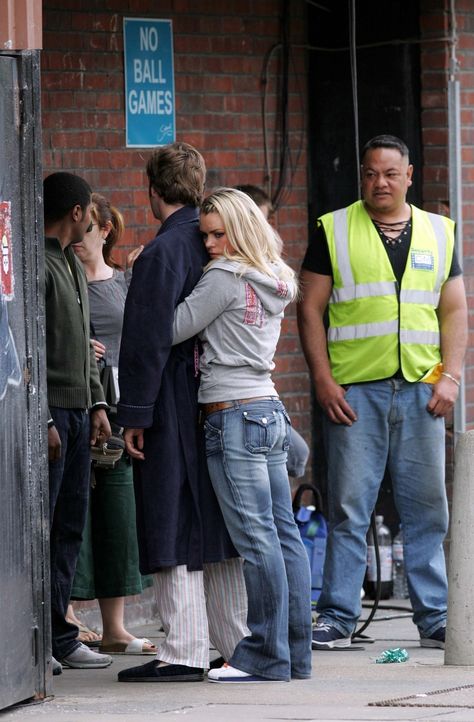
column 422, row 260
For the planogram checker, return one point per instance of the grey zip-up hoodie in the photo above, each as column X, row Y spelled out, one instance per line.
column 237, row 313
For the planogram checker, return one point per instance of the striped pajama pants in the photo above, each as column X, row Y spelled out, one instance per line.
column 201, row 609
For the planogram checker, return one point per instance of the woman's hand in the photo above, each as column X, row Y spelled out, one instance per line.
column 133, row 255
column 99, row 349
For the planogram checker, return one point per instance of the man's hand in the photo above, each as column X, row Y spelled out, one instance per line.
column 134, row 442
column 445, row 393
column 452, row 314
column 316, row 290
column 331, row 398
column 100, row 427
column 54, row 444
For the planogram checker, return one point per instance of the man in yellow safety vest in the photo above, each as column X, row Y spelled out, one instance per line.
column 386, row 373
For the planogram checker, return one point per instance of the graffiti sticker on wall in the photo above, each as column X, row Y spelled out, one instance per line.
column 6, row 265
column 10, row 370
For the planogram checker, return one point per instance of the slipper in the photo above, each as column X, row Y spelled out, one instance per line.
column 84, row 632
column 133, row 647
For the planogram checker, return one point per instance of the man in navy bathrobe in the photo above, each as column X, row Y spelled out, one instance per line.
column 181, row 533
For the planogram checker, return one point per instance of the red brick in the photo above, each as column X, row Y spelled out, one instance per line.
column 435, row 118
column 464, row 5
column 433, row 99
column 435, row 136
column 198, row 44
column 435, row 24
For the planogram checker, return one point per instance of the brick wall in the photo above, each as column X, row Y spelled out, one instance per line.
column 219, row 55
column 436, row 22
column 435, row 58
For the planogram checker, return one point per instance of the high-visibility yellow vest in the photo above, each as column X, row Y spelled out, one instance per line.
column 375, row 327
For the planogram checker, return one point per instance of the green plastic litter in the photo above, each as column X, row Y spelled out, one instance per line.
column 392, row 656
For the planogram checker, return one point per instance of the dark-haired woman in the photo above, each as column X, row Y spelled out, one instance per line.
column 108, row 563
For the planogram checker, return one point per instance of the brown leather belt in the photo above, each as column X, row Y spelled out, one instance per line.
column 207, row 409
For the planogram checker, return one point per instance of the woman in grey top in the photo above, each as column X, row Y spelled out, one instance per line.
column 237, row 308
column 107, row 568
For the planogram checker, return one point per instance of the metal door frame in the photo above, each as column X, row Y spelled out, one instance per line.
column 32, row 237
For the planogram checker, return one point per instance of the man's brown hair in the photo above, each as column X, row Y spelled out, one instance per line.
column 177, row 172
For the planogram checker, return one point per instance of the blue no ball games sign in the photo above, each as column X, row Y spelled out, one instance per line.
column 149, row 82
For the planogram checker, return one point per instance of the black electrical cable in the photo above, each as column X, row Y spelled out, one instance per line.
column 397, row 607
column 358, row 632
column 358, row 636
column 286, row 163
column 355, row 99
column 284, row 93
column 264, row 84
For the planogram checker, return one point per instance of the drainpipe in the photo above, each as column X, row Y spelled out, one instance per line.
column 455, row 190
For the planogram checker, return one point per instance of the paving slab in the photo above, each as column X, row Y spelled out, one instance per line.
column 346, row 685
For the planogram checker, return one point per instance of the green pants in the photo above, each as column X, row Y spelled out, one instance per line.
column 108, row 560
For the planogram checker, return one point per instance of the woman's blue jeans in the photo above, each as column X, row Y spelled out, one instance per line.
column 246, row 449
column 393, row 429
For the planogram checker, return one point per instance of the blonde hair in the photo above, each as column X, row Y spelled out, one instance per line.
column 255, row 244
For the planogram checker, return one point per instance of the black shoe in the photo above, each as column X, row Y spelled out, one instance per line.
column 217, row 663
column 151, row 672
column 436, row 639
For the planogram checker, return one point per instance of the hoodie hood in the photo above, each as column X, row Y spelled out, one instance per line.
column 274, row 294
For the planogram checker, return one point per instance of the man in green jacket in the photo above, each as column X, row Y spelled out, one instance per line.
column 77, row 408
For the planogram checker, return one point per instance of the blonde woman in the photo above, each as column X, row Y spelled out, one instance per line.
column 237, row 308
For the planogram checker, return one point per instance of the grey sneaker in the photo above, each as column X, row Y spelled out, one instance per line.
column 56, row 667
column 85, row 658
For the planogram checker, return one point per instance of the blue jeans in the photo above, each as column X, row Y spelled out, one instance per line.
column 246, row 448
column 69, row 480
column 393, row 427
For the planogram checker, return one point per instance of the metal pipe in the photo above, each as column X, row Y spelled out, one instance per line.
column 455, row 188
column 459, row 649
column 455, row 212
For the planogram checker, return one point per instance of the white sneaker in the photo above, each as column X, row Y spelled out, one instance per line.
column 85, row 658
column 226, row 673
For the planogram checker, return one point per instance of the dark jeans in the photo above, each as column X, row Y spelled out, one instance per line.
column 69, row 479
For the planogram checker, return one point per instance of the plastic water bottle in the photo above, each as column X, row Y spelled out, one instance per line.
column 313, row 530
column 384, row 539
column 399, row 578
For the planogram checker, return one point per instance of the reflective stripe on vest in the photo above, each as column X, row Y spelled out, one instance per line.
column 421, row 337
column 440, row 234
column 410, row 295
column 362, row 330
column 363, row 290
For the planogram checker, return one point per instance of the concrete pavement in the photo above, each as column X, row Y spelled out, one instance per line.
column 346, row 685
